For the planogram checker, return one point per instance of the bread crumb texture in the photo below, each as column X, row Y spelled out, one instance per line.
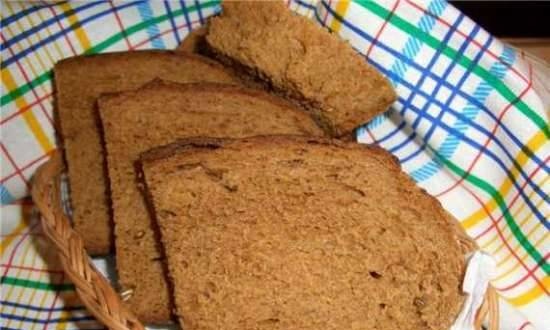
column 294, row 233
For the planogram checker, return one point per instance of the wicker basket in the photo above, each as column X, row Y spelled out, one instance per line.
column 94, row 290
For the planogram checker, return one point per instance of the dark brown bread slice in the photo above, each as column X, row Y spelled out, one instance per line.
column 158, row 114
column 301, row 60
column 79, row 81
column 297, row 233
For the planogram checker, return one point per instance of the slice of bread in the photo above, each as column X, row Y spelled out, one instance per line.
column 78, row 82
column 157, row 114
column 301, row 60
column 298, row 233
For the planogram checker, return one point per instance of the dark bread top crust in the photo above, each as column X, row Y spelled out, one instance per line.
column 214, row 87
column 125, row 56
column 290, row 232
column 298, row 58
column 164, row 152
column 160, row 153
column 78, row 82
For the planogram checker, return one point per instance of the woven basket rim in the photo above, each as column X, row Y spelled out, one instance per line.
column 95, row 291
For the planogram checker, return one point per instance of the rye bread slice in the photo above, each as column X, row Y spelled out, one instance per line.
column 298, row 233
column 156, row 114
column 302, row 61
column 78, row 82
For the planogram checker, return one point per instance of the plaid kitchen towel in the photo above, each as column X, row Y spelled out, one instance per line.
column 470, row 126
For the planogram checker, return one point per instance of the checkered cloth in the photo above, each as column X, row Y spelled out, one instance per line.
column 470, row 126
